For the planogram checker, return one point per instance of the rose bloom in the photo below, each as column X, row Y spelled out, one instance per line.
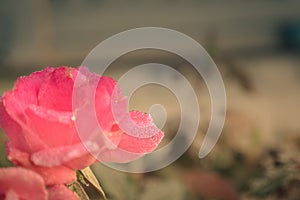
column 42, row 122
column 19, row 183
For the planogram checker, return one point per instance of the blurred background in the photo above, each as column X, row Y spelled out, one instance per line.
column 256, row 46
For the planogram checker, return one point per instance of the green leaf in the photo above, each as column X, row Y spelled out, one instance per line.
column 79, row 190
column 90, row 183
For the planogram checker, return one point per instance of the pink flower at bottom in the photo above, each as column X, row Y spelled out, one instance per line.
column 18, row 183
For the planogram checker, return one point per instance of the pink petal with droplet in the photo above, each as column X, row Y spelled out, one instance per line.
column 56, row 91
column 131, row 148
column 141, row 144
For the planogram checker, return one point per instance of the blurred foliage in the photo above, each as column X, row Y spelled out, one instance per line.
column 225, row 174
column 242, row 162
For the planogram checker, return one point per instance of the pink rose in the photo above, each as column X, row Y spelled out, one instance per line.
column 19, row 183
column 40, row 118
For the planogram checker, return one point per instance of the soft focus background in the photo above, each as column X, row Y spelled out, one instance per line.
column 256, row 46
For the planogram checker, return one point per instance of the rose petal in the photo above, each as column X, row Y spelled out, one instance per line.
column 141, row 145
column 103, row 100
column 17, row 130
column 61, row 192
column 56, row 91
column 22, row 182
column 74, row 156
column 25, row 91
column 12, row 129
column 131, row 148
column 55, row 128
